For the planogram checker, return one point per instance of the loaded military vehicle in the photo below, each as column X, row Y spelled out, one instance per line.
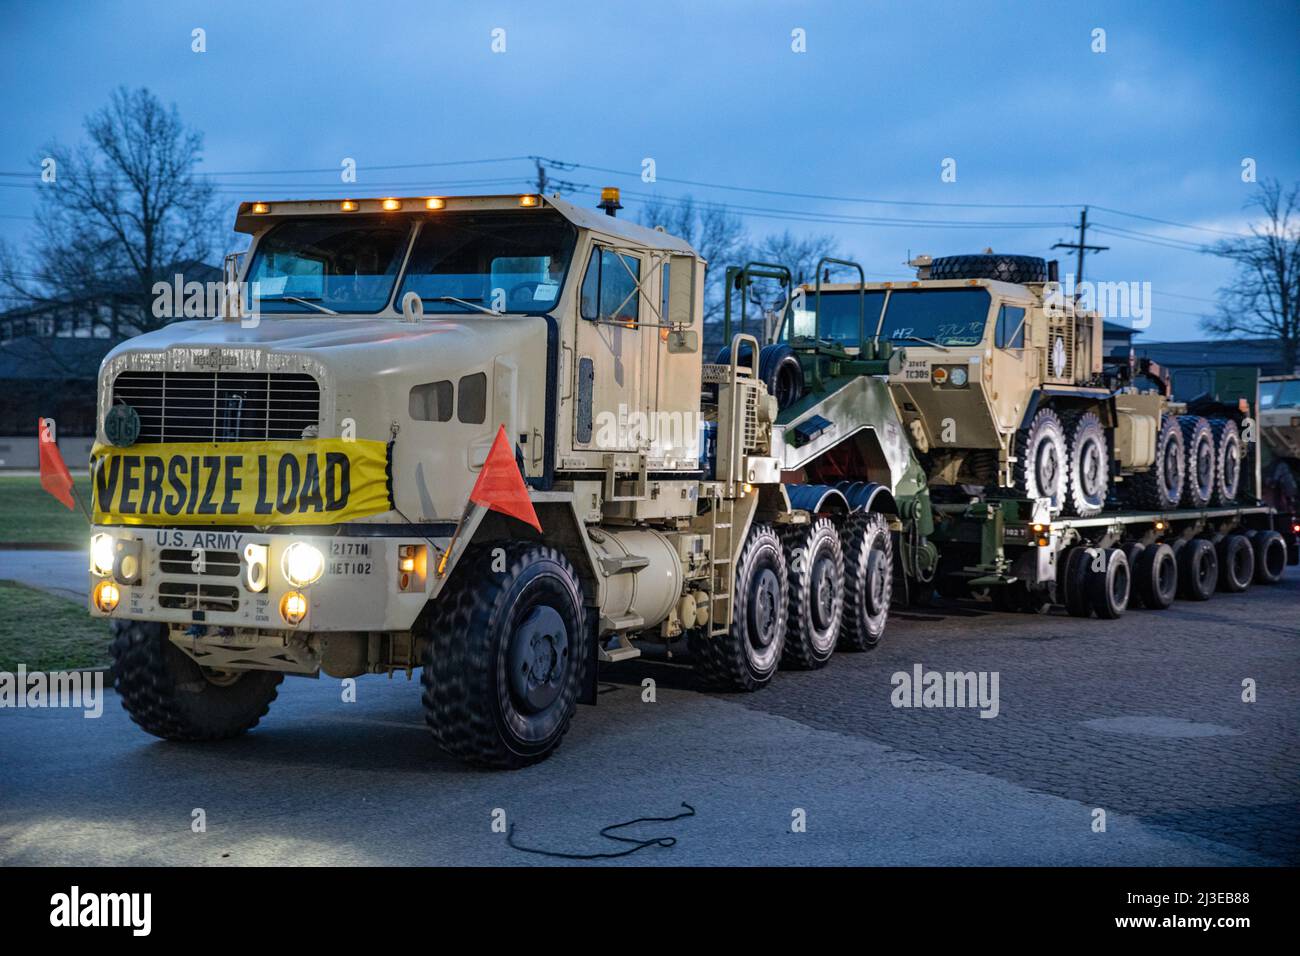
column 1057, row 477
column 466, row 435
column 1279, row 427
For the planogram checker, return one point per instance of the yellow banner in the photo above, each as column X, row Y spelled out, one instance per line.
column 316, row 481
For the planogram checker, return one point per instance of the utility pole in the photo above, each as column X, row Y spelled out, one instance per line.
column 1081, row 245
column 541, row 176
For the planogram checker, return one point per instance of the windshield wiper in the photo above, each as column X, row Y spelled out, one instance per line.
column 467, row 304
column 299, row 301
column 917, row 338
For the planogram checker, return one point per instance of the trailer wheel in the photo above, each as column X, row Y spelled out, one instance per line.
column 1160, row 487
column 1087, row 464
column 815, row 566
column 1201, row 473
column 170, row 696
column 1108, row 585
column 1270, row 557
column 1155, row 576
column 1073, row 583
column 868, row 579
column 1198, row 570
column 1041, row 468
column 1227, row 459
column 505, row 657
column 1236, row 563
column 746, row 657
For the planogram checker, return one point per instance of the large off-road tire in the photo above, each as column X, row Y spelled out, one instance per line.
column 1109, row 582
column 1160, row 487
column 1227, row 460
column 1007, row 268
column 747, row 656
column 507, row 650
column 1236, row 563
column 1198, row 570
column 1087, row 463
column 815, row 566
column 1270, row 557
column 868, row 579
column 780, row 371
column 1200, row 473
column 1155, row 577
column 1041, row 469
column 170, row 696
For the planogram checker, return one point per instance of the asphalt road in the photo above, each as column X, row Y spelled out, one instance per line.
column 1141, row 718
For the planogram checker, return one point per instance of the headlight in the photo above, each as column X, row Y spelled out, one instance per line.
column 958, row 377
column 302, row 563
column 102, row 554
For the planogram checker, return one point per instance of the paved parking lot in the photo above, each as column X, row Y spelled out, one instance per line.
column 1141, row 718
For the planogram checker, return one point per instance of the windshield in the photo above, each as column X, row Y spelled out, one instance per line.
column 948, row 317
column 840, row 311
column 1279, row 394
column 329, row 265
column 498, row 262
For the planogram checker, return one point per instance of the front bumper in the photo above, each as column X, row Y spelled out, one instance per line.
column 189, row 576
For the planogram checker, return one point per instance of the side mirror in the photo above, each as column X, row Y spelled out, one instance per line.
column 683, row 340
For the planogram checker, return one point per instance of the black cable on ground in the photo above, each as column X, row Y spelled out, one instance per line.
column 664, row 842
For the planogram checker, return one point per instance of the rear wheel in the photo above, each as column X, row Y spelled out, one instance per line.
column 1201, row 472
column 815, row 566
column 1155, row 576
column 1236, row 563
column 1227, row 455
column 747, row 655
column 1088, row 464
column 170, row 696
column 1073, row 581
column 1198, row 570
column 1041, row 470
column 1108, row 584
column 1160, row 487
column 868, row 580
column 1270, row 557
column 505, row 657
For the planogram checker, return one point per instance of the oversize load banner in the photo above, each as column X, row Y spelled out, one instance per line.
column 317, row 481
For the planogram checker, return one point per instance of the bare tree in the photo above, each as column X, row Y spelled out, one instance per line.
column 123, row 211
column 1263, row 299
column 800, row 254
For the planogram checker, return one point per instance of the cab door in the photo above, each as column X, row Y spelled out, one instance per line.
column 610, row 367
column 1011, row 364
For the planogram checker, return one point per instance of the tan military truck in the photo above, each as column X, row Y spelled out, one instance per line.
column 1005, row 386
column 1279, row 428
column 286, row 488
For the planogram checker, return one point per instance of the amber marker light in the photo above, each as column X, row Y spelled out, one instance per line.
column 348, row 205
column 106, row 595
column 528, row 200
column 434, row 202
column 261, row 208
column 391, row 205
column 293, row 607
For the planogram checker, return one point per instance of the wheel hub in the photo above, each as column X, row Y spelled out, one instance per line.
column 763, row 605
column 823, row 592
column 538, row 659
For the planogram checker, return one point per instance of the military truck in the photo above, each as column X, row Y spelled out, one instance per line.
column 1279, row 428
column 1059, row 477
column 1006, row 386
column 474, row 436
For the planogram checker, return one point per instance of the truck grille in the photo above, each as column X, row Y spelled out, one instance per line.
column 219, row 406
column 201, row 592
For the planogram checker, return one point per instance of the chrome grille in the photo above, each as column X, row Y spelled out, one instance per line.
column 219, row 406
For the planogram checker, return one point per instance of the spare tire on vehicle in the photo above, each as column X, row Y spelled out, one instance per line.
column 1005, row 268
column 781, row 372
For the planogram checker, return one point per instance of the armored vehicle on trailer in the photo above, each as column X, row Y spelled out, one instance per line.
column 1279, row 429
column 467, row 435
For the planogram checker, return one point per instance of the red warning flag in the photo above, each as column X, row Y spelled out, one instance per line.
column 55, row 477
column 500, row 487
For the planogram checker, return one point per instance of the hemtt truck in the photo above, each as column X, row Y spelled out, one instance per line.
column 286, row 488
column 1058, row 476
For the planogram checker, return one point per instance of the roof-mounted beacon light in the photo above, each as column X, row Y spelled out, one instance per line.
column 609, row 200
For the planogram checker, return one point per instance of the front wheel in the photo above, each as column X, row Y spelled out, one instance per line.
column 170, row 696
column 507, row 647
